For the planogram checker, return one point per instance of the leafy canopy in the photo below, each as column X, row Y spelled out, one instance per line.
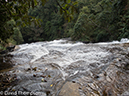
column 18, row 10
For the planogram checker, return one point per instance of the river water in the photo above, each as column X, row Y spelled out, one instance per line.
column 67, row 68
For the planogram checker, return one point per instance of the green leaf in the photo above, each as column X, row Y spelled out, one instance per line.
column 66, row 5
column 35, row 2
column 75, row 3
column 68, row 19
column 24, row 24
column 68, row 1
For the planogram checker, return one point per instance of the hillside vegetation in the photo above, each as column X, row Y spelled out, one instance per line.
column 83, row 20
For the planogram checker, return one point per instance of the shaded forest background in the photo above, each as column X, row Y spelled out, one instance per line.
column 93, row 21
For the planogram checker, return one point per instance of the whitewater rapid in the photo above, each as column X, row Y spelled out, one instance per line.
column 62, row 61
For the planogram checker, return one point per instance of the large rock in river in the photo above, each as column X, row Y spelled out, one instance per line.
column 16, row 48
column 70, row 89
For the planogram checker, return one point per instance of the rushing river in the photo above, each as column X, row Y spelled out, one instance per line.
column 66, row 68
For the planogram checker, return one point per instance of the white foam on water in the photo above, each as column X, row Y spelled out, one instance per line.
column 39, row 49
column 123, row 40
column 35, row 50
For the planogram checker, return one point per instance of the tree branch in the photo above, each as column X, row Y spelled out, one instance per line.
column 60, row 6
column 6, row 8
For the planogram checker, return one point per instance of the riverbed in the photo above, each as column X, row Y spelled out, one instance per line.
column 67, row 68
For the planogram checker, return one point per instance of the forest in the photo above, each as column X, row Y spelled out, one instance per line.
column 44, row 20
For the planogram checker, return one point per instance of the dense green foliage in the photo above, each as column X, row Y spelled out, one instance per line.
column 50, row 26
column 102, row 20
column 12, row 9
column 35, row 20
column 17, row 10
column 53, row 17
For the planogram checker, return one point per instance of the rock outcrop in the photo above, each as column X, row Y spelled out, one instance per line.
column 70, row 89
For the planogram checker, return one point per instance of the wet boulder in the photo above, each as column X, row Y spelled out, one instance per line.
column 10, row 48
column 70, row 89
column 3, row 52
column 16, row 47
